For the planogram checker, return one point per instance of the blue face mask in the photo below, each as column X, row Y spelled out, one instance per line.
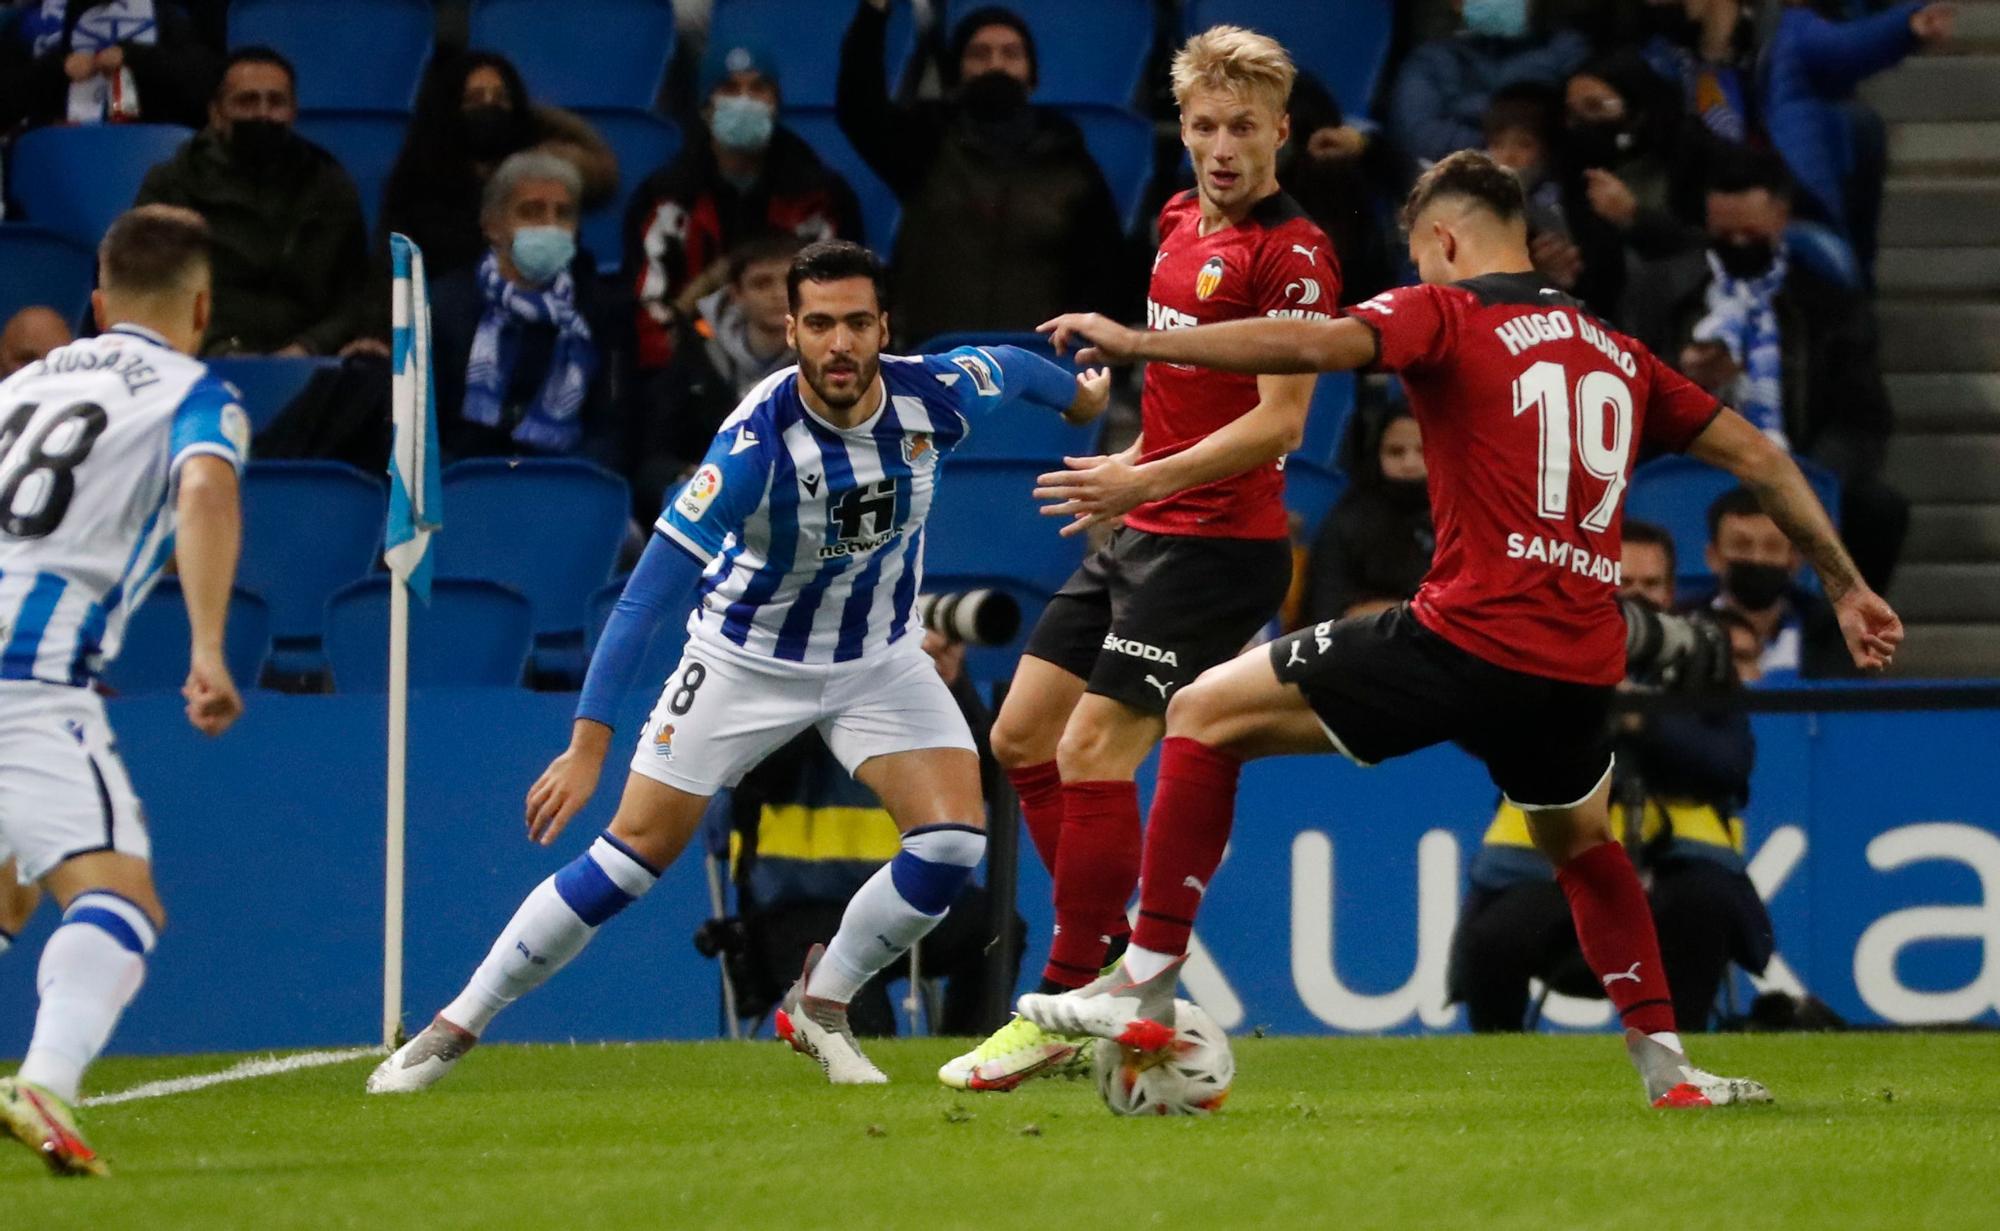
column 1497, row 18
column 540, row 253
column 740, row 122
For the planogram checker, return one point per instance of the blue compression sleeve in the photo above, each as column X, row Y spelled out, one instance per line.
column 661, row 587
column 1028, row 377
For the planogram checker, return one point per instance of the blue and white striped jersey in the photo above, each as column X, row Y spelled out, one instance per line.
column 813, row 535
column 91, row 440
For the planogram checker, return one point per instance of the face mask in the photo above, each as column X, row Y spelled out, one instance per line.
column 258, row 143
column 489, row 132
column 740, row 122
column 1600, row 143
column 1497, row 18
column 540, row 253
column 1745, row 260
column 1408, row 495
column 1756, row 587
column 992, row 97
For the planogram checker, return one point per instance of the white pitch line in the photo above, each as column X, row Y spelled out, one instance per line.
column 268, row 1066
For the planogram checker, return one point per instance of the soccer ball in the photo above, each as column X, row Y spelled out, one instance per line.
column 1191, row 1080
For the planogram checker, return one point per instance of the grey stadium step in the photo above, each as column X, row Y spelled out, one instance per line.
column 1978, row 28
column 1946, row 401
column 1959, row 87
column 1953, row 533
column 1940, row 336
column 1948, row 593
column 1942, row 211
column 1948, row 651
column 1916, row 271
column 1945, row 469
column 1950, row 144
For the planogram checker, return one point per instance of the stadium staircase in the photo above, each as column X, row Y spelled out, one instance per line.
column 1939, row 281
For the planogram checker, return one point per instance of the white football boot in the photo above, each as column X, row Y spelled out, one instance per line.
column 1672, row 1082
column 422, row 1062
column 1135, row 1015
column 1019, row 1051
column 817, row 1027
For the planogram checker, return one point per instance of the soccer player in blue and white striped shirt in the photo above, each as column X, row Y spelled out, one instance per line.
column 799, row 545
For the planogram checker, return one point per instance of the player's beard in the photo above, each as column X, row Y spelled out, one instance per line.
column 864, row 380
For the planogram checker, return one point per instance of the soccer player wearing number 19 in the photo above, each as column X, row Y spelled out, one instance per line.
column 115, row 452
column 802, row 534
column 1533, row 413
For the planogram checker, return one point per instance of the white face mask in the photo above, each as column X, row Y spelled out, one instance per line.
column 1497, row 18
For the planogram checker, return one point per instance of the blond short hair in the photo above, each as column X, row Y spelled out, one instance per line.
column 1232, row 60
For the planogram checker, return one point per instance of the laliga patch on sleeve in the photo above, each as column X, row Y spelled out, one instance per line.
column 236, row 429
column 975, row 366
column 700, row 492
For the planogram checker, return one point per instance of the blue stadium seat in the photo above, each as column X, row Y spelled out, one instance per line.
column 309, row 528
column 1674, row 493
column 603, row 54
column 1820, row 248
column 75, row 181
column 644, row 143
column 803, row 36
column 1344, row 43
column 1093, row 51
column 986, row 528
column 472, row 634
column 357, row 55
column 1326, row 420
column 268, row 384
column 44, row 268
column 1020, row 433
column 880, row 209
column 549, row 529
column 661, row 655
column 1122, row 144
column 1311, row 491
column 365, row 143
column 154, row 656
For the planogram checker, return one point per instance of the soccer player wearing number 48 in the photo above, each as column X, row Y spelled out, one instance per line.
column 1533, row 413
column 799, row 544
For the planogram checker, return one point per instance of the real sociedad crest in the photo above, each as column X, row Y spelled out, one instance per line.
column 916, row 446
column 1209, row 279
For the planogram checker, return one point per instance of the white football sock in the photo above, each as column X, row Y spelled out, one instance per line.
column 898, row 907
column 552, row 926
column 91, row 968
column 1143, row 964
column 1667, row 1038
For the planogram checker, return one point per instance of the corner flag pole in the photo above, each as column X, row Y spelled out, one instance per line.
column 415, row 513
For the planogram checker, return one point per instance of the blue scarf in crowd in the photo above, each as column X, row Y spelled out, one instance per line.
column 552, row 422
column 1743, row 316
column 107, row 23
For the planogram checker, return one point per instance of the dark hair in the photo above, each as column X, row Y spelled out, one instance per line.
column 1526, row 105
column 257, row 53
column 152, row 248
column 977, row 20
column 1470, row 174
column 1650, row 535
column 835, row 260
column 1736, row 502
column 1751, row 171
column 758, row 249
column 435, row 162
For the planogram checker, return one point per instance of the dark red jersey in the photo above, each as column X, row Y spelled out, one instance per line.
column 1273, row 263
column 1533, row 413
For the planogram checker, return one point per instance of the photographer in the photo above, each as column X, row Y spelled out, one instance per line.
column 1678, row 783
column 802, row 835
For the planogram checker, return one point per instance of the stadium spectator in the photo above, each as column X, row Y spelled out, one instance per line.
column 1708, row 49
column 1634, row 160
column 1678, row 783
column 291, row 258
column 517, row 341
column 1523, row 134
column 1757, row 572
column 1340, row 174
column 1443, row 88
column 98, row 61
column 751, row 176
column 472, row 113
column 733, row 339
column 1795, row 352
column 1376, row 545
column 32, row 332
column 1006, row 218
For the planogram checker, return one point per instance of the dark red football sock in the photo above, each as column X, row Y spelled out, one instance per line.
column 1193, row 809
column 1097, row 865
column 1039, row 788
column 1614, row 923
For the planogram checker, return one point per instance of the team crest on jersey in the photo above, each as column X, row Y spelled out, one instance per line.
column 663, row 743
column 700, row 492
column 917, row 446
column 1209, row 280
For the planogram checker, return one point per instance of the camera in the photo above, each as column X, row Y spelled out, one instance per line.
column 1685, row 652
column 976, row 617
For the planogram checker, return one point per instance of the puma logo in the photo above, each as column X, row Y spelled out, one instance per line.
column 1163, row 685
column 1194, row 883
column 1632, row 974
column 1310, row 254
column 1298, row 658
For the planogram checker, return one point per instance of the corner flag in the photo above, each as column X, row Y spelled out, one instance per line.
column 415, row 510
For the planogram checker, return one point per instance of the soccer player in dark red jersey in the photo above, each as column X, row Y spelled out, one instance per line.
column 1533, row 414
column 1203, row 558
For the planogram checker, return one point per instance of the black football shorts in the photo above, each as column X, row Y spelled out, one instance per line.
column 1385, row 686
column 1147, row 613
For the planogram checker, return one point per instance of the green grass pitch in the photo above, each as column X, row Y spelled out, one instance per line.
column 1461, row 1133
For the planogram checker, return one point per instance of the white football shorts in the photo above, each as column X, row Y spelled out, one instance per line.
column 725, row 710
column 63, row 790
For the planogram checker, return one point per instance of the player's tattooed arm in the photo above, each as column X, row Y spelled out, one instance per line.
column 1871, row 626
column 1261, row 345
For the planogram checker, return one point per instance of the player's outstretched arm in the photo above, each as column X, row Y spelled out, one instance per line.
column 1259, row 345
column 661, row 588
column 208, row 538
column 1871, row 626
column 1078, row 397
